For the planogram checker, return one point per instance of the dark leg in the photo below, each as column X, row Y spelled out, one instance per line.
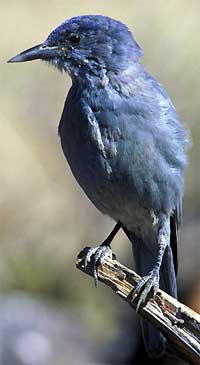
column 151, row 281
column 112, row 235
column 126, row 231
column 99, row 253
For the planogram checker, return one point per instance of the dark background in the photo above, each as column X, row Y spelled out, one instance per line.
column 46, row 219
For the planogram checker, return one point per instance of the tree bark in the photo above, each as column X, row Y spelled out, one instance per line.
column 179, row 324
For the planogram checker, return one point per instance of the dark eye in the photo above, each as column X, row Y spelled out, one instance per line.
column 74, row 38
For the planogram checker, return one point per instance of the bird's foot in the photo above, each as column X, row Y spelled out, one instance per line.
column 97, row 256
column 146, row 284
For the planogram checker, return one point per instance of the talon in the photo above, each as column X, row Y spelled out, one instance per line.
column 88, row 257
column 98, row 255
column 140, row 301
column 106, row 253
column 95, row 275
column 145, row 285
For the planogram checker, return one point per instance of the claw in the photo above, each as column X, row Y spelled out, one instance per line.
column 88, row 256
column 95, row 275
column 98, row 256
column 146, row 284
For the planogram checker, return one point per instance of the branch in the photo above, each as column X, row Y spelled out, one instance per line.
column 179, row 324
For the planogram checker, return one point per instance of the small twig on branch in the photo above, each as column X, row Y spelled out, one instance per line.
column 179, row 324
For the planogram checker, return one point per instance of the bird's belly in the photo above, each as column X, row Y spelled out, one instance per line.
column 95, row 176
column 99, row 179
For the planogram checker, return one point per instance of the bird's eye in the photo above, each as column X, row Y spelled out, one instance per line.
column 74, row 38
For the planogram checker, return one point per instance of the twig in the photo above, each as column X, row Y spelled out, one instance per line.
column 179, row 324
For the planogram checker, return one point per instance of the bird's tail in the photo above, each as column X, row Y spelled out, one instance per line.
column 145, row 256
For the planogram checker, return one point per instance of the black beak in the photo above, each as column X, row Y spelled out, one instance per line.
column 38, row 52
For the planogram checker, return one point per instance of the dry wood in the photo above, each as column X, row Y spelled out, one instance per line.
column 179, row 324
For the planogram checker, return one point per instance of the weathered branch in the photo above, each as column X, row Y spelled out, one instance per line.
column 179, row 324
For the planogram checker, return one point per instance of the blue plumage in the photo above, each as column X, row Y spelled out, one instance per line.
column 124, row 143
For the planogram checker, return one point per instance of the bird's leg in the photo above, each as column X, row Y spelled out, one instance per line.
column 150, row 282
column 99, row 253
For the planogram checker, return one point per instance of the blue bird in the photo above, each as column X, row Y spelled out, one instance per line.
column 125, row 146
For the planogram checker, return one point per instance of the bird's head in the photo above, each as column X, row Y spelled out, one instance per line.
column 86, row 44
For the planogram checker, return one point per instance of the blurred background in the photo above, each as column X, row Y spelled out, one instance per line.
column 50, row 313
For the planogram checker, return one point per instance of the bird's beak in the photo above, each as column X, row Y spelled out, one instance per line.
column 38, row 52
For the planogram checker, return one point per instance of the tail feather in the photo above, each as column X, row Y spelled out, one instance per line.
column 155, row 342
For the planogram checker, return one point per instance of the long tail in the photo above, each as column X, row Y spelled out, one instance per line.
column 145, row 256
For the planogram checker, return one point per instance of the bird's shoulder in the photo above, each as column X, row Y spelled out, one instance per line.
column 134, row 104
column 133, row 92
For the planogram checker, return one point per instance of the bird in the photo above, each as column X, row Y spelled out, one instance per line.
column 125, row 145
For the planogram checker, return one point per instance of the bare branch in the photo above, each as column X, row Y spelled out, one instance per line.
column 179, row 324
